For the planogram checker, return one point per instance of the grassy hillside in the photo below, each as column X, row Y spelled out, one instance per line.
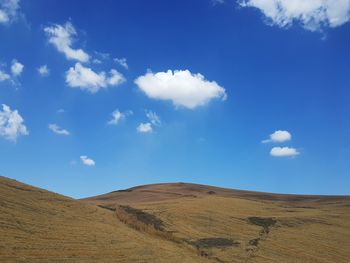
column 171, row 223
column 40, row 226
column 239, row 226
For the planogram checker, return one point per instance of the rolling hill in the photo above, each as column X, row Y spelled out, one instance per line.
column 175, row 222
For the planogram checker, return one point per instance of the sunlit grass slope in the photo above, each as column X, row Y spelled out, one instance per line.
column 40, row 226
column 172, row 223
column 239, row 226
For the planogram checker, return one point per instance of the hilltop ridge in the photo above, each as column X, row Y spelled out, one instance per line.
column 168, row 191
column 172, row 222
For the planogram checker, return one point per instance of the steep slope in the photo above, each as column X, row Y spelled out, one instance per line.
column 227, row 225
column 40, row 226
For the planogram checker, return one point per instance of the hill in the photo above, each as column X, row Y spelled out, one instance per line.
column 228, row 225
column 41, row 226
column 172, row 223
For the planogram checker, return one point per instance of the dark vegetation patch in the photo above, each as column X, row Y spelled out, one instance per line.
column 305, row 207
column 144, row 217
column 192, row 196
column 107, row 207
column 214, row 242
column 211, row 193
column 264, row 222
column 136, row 187
column 122, row 190
column 254, row 242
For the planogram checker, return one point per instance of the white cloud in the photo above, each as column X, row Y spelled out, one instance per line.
column 145, row 127
column 4, row 76
column 86, row 79
column 8, row 10
column 153, row 118
column 311, row 14
column 60, row 111
column 118, row 116
column 11, row 124
column 115, row 78
column 87, row 161
column 58, row 130
column 16, row 68
column 279, row 136
column 43, row 70
column 181, row 87
column 122, row 62
column 283, row 152
column 62, row 38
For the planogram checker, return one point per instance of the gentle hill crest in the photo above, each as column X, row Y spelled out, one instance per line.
column 168, row 191
column 175, row 222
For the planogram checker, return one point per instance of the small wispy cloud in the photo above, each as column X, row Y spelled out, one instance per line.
column 284, row 152
column 96, row 61
column 4, row 76
column 16, row 68
column 100, row 57
column 278, row 137
column 118, row 116
column 122, row 62
column 62, row 37
column 87, row 161
column 8, row 11
column 103, row 55
column 11, row 124
column 58, row 130
column 43, row 70
column 144, row 127
column 153, row 118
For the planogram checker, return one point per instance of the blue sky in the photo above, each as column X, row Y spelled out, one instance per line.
column 240, row 94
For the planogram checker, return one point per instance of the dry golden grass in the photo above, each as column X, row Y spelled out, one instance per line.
column 172, row 223
column 306, row 229
column 40, row 226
